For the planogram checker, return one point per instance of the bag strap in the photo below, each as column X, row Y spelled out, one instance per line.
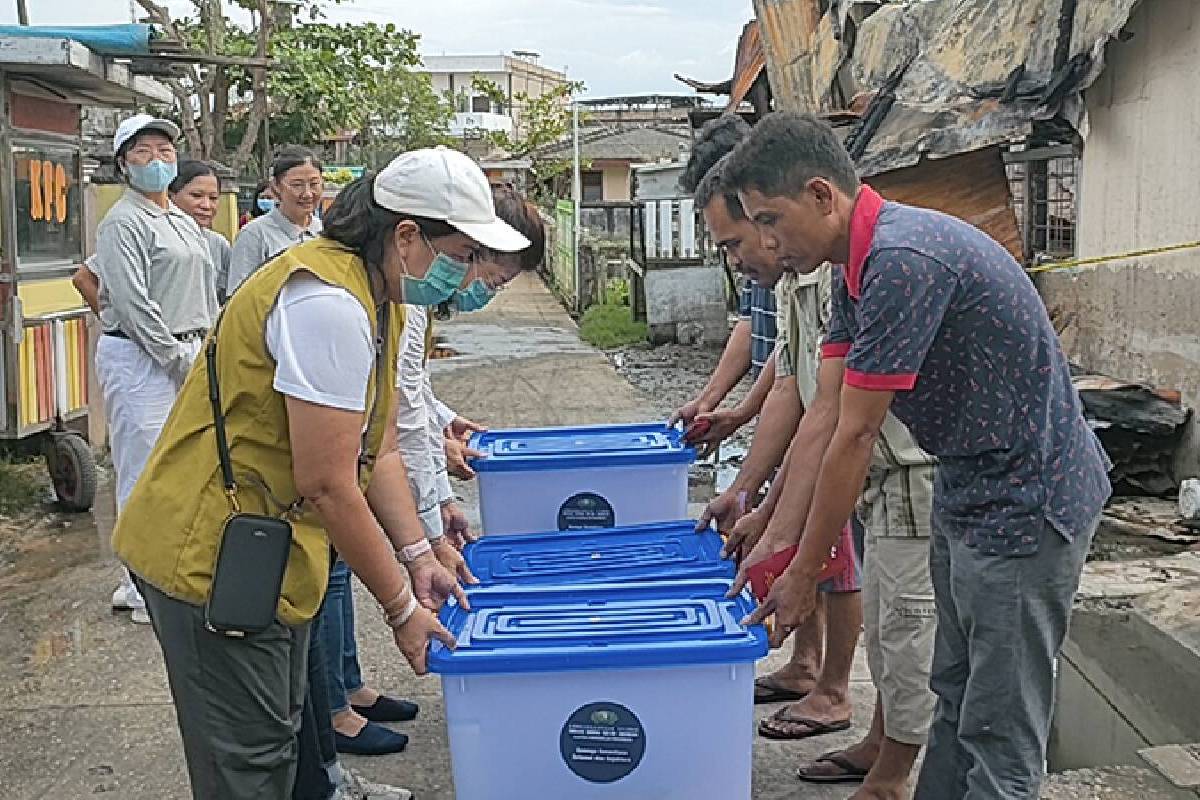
column 214, row 397
column 383, row 320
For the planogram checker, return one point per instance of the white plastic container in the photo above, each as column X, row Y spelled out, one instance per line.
column 640, row 691
column 548, row 479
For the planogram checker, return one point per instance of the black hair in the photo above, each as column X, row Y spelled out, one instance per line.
column 189, row 170
column 358, row 223
column 703, row 174
column 255, row 211
column 525, row 217
column 785, row 151
column 291, row 156
column 716, row 140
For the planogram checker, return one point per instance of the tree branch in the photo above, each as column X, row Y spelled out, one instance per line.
column 258, row 107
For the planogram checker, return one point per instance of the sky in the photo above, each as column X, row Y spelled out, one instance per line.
column 613, row 46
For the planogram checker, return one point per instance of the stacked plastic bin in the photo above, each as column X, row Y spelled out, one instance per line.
column 597, row 661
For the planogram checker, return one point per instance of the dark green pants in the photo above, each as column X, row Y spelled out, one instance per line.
column 238, row 701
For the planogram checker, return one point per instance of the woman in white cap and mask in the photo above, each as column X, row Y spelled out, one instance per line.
column 157, row 302
column 288, row 430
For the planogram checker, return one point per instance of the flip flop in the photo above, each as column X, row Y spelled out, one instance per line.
column 771, row 692
column 850, row 772
column 815, row 727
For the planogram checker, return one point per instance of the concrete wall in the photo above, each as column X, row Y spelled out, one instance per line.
column 1137, row 319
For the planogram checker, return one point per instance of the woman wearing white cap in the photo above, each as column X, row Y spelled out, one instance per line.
column 286, row 438
column 358, row 709
column 157, row 302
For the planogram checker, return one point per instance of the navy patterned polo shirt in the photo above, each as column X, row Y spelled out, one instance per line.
column 937, row 311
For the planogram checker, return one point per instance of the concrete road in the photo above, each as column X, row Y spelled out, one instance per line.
column 84, row 706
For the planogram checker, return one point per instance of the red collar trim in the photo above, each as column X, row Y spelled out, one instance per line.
column 867, row 206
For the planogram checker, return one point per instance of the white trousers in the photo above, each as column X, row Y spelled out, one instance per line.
column 138, row 395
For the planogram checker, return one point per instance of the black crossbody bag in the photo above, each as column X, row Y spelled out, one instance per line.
column 253, row 555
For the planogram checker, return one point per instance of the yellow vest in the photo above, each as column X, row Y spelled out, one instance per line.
column 169, row 531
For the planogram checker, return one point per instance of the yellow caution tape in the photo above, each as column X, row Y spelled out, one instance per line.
column 1087, row 262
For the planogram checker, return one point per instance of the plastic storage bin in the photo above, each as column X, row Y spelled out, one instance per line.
column 637, row 691
column 548, row 479
column 635, row 553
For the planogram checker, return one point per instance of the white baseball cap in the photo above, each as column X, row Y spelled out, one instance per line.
column 444, row 184
column 143, row 122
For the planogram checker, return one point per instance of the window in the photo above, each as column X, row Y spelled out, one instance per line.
column 49, row 206
column 481, row 104
column 593, row 186
column 1044, row 195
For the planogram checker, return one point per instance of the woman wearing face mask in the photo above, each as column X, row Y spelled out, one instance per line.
column 290, row 218
column 156, row 303
column 302, row 364
column 358, row 709
column 196, row 191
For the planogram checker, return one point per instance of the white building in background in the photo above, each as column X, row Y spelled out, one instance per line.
column 516, row 74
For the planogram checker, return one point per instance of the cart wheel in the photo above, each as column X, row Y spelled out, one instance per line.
column 73, row 473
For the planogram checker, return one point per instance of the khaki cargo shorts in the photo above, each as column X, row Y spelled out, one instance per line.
column 898, row 609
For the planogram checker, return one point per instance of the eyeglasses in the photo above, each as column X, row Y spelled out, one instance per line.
column 165, row 151
column 300, row 187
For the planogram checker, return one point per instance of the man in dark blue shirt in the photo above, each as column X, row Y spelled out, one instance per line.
column 934, row 320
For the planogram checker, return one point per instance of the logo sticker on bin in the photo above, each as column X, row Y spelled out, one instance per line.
column 586, row 510
column 602, row 742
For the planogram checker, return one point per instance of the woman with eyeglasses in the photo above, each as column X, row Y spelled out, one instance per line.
column 297, row 186
column 157, row 301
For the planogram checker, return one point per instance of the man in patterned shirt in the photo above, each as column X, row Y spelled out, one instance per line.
column 936, row 322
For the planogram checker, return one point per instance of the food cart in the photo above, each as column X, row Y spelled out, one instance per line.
column 44, row 357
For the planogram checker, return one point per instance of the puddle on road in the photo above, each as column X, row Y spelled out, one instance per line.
column 37, row 548
column 477, row 344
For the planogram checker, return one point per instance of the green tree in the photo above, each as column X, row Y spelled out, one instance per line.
column 322, row 79
column 541, row 121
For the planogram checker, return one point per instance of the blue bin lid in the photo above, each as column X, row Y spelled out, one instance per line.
column 635, row 552
column 516, row 450
column 598, row 627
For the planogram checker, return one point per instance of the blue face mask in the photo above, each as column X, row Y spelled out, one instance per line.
column 441, row 281
column 153, row 177
column 477, row 295
column 266, row 204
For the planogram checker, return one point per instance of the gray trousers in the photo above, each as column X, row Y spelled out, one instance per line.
column 238, row 701
column 1000, row 623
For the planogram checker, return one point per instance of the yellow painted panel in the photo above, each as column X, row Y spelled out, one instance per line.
column 48, row 297
column 72, row 352
column 105, row 195
column 28, row 394
column 226, row 221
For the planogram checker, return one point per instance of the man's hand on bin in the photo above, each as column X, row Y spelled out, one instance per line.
column 724, row 510
column 455, row 525
column 745, row 536
column 711, row 428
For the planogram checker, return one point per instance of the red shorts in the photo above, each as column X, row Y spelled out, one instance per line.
column 845, row 573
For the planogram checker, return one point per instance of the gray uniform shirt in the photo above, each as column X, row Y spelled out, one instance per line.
column 218, row 247
column 156, row 278
column 263, row 239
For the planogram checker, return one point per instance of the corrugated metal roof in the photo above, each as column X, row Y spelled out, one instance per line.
column 948, row 76
column 639, row 144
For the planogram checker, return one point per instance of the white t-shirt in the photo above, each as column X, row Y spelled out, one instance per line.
column 320, row 338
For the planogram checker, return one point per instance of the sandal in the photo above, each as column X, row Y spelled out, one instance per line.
column 850, row 772
column 782, row 725
column 768, row 690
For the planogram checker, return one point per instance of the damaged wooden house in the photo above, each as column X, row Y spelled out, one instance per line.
column 1064, row 128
